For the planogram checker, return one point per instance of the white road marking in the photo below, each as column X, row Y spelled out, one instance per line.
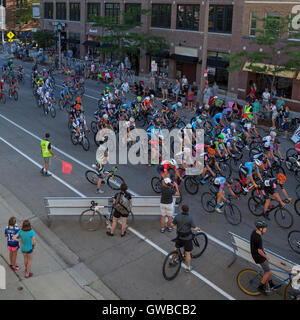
column 139, row 235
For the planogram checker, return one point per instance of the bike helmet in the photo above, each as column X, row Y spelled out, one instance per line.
column 147, row 98
column 167, row 180
column 189, row 126
column 105, row 116
column 77, row 107
column 152, row 96
column 281, row 177
column 258, row 162
column 179, row 104
column 220, row 136
column 131, row 119
column 107, row 88
column 78, row 99
column 211, row 151
column 173, row 162
column 273, row 134
column 260, row 224
column 139, row 98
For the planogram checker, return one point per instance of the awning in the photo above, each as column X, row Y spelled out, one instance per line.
column 90, row 43
column 163, row 55
column 72, row 40
column 25, row 34
column 216, row 62
column 106, row 45
column 179, row 57
column 268, row 70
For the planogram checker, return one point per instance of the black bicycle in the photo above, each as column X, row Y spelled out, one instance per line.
column 174, row 259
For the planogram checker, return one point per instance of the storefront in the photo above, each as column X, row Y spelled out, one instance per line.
column 159, row 63
column 74, row 43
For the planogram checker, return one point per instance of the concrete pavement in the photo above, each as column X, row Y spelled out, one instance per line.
column 57, row 274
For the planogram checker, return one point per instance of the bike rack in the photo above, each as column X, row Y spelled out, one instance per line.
column 241, row 248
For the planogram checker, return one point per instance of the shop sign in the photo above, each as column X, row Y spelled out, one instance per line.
column 296, row 136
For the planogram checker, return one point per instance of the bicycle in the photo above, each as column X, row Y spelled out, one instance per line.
column 248, row 281
column 294, row 240
column 80, row 139
column 231, row 211
column 91, row 219
column 282, row 216
column 14, row 94
column 174, row 259
column 113, row 180
column 2, row 97
column 297, row 206
column 51, row 109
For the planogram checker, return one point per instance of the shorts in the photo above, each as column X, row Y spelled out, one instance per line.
column 167, row 209
column 164, row 91
column 265, row 266
column 12, row 248
column 28, row 252
column 47, row 160
column 118, row 214
column 187, row 244
column 101, row 174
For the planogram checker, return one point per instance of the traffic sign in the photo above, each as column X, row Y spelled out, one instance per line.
column 10, row 40
column 10, row 35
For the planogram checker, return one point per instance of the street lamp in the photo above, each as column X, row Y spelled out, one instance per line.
column 59, row 26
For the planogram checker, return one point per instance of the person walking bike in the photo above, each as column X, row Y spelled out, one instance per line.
column 260, row 257
column 47, row 153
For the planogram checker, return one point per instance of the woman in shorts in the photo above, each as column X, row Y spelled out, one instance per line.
column 13, row 246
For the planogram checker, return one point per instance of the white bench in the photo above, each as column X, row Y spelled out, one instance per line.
column 241, row 247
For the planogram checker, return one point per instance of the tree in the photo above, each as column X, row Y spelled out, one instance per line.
column 24, row 14
column 278, row 55
column 122, row 38
column 44, row 38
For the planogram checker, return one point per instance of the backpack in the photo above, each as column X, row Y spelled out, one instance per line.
column 123, row 205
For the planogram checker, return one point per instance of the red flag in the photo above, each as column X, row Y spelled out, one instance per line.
column 66, row 167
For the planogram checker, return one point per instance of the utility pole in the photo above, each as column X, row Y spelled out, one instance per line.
column 204, row 49
column 2, row 21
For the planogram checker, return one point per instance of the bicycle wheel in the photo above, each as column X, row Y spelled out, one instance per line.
column 90, row 220
column 156, row 184
column 91, row 176
column 294, row 240
column 3, row 98
column 297, row 175
column 85, row 144
column 208, row 201
column 115, row 181
column 190, row 186
column 233, row 214
column 225, row 169
column 94, row 127
column 237, row 187
column 283, row 218
column 298, row 195
column 256, row 206
column 200, row 244
column 277, row 169
column 74, row 138
column 16, row 96
column 297, row 206
column 171, row 269
column 290, row 293
column 248, row 281
column 234, row 164
column 52, row 112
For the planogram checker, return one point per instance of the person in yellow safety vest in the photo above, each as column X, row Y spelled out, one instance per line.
column 248, row 110
column 47, row 153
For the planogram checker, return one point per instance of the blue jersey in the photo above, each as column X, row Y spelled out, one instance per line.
column 152, row 132
column 10, row 232
column 249, row 166
column 217, row 116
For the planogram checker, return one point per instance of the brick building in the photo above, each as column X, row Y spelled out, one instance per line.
column 181, row 22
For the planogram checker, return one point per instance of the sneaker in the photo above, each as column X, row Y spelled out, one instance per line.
column 245, row 189
column 16, row 268
column 99, row 191
column 202, row 181
column 262, row 289
column 47, row 174
column 109, row 233
column 218, row 209
column 162, row 230
column 170, row 229
column 191, row 268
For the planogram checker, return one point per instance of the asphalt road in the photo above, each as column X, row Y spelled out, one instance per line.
column 130, row 266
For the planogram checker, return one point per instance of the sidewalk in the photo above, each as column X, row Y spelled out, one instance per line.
column 57, row 272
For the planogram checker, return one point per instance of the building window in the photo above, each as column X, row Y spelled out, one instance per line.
column 135, row 11
column 93, row 9
column 112, row 11
column 161, row 16
column 253, row 21
column 75, row 11
column 220, row 18
column 188, row 17
column 272, row 24
column 61, row 11
column 48, row 9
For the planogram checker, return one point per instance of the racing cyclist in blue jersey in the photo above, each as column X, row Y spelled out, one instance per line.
column 248, row 168
column 79, row 124
column 221, row 182
column 175, row 107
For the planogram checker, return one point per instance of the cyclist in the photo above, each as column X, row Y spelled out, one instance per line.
column 2, row 86
column 165, row 166
column 217, row 120
column 185, row 226
column 259, row 256
column 175, row 107
column 20, row 71
column 209, row 163
column 130, row 126
column 221, row 182
column 248, row 169
column 270, row 186
column 79, row 124
column 220, row 147
column 12, row 85
column 100, row 169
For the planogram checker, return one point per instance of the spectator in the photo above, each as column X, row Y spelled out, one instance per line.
column 280, row 102
column 215, row 89
column 285, row 121
column 266, row 97
column 166, row 203
column 190, row 99
column 117, row 215
column 13, row 246
column 255, row 110
column 274, row 111
column 125, row 87
column 274, row 92
column 207, row 94
column 176, row 90
column 26, row 236
column 164, row 88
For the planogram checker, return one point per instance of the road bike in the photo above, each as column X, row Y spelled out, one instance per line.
column 113, row 180
column 14, row 94
column 283, row 217
column 173, row 261
column 232, row 212
column 248, row 281
column 297, row 206
column 294, row 240
column 51, row 109
column 80, row 139
column 92, row 218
